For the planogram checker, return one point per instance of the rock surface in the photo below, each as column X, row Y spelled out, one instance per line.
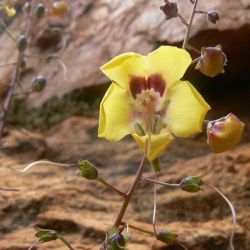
column 53, row 197
column 101, row 29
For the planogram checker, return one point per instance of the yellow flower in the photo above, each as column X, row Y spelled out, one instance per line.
column 147, row 91
column 8, row 7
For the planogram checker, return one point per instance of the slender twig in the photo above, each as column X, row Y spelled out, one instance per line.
column 37, row 163
column 6, row 30
column 154, row 209
column 15, row 78
column 132, row 189
column 160, row 183
column 65, row 242
column 34, row 244
column 185, row 42
column 232, row 211
column 183, row 20
column 189, row 46
column 101, row 180
column 139, row 229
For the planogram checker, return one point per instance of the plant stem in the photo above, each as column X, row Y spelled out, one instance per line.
column 34, row 245
column 65, row 242
column 185, row 42
column 160, row 183
column 132, row 189
column 139, row 229
column 232, row 210
column 183, row 20
column 101, row 180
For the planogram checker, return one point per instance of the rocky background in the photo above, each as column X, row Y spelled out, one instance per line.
column 61, row 125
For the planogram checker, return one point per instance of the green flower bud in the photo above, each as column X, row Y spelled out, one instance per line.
column 213, row 16
column 191, row 184
column 212, row 61
column 46, row 235
column 139, row 129
column 225, row 133
column 88, row 170
column 166, row 237
column 39, row 83
column 117, row 242
column 169, row 9
column 40, row 11
column 22, row 43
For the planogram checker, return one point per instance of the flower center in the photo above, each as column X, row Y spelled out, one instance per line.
column 148, row 101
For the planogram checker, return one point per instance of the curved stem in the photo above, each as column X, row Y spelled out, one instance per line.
column 65, row 242
column 185, row 42
column 232, row 210
column 139, row 229
column 160, row 183
column 37, row 163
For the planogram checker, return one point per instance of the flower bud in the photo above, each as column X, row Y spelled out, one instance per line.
column 212, row 61
column 213, row 16
column 39, row 84
column 10, row 11
column 191, row 184
column 225, row 133
column 166, row 237
column 46, row 235
column 22, row 43
column 170, row 10
column 40, row 11
column 59, row 8
column 117, row 242
column 88, row 170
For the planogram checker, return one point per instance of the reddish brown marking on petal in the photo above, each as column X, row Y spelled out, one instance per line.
column 157, row 83
column 137, row 84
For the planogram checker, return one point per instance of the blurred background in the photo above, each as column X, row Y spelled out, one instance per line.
column 60, row 124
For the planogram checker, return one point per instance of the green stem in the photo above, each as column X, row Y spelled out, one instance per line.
column 185, row 42
column 139, row 229
column 101, row 180
column 65, row 242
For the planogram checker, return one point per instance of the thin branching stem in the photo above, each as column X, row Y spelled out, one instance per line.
column 132, row 188
column 187, row 35
column 139, row 229
column 110, row 186
column 34, row 245
column 65, row 242
column 160, row 183
column 232, row 211
column 183, row 20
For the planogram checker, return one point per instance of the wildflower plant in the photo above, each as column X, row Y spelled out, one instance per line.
column 149, row 100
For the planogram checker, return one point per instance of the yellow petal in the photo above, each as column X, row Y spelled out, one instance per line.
column 159, row 143
column 122, row 67
column 186, row 110
column 9, row 10
column 169, row 61
column 115, row 114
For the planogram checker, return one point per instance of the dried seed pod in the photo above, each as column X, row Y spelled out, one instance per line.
column 169, row 9
column 213, row 16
